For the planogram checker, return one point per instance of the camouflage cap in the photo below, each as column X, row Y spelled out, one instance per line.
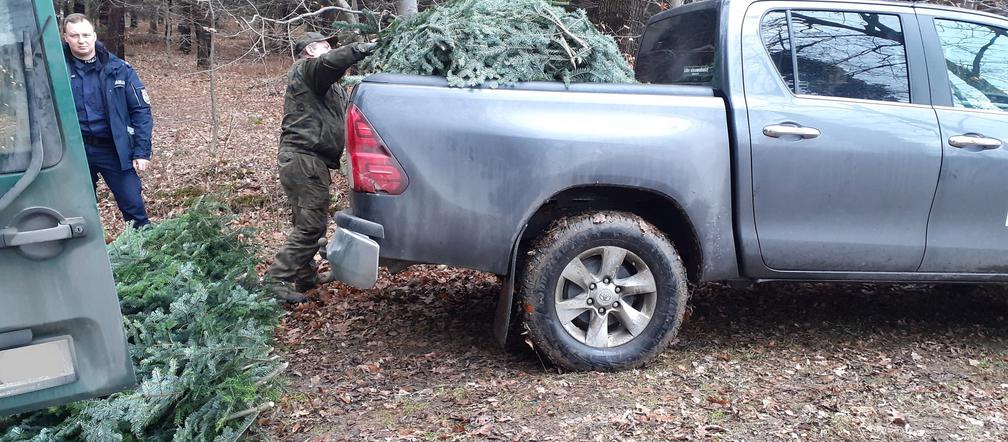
column 308, row 38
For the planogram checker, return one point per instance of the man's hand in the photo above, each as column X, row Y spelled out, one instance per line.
column 365, row 49
column 141, row 164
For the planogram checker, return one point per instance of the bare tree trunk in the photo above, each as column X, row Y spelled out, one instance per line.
column 214, row 126
column 347, row 37
column 167, row 4
column 348, row 17
column 184, row 28
column 625, row 19
column 112, row 22
column 153, row 28
column 203, row 41
column 407, row 8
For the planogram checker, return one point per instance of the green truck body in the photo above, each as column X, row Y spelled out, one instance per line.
column 61, row 330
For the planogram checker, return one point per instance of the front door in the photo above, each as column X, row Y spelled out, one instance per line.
column 845, row 145
column 61, row 332
column 968, row 232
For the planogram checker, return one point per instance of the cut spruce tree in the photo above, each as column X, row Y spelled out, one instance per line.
column 200, row 328
column 495, row 42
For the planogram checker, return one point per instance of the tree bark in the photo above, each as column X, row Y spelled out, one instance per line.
column 112, row 33
column 203, row 41
column 153, row 28
column 167, row 8
column 624, row 19
column 183, row 30
column 407, row 8
column 214, row 125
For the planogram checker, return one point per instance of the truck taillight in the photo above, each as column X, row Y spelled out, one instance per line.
column 375, row 170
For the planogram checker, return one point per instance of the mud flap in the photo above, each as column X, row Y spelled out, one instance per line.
column 502, row 319
column 505, row 301
column 353, row 258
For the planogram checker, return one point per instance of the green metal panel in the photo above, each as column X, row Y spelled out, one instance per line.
column 71, row 293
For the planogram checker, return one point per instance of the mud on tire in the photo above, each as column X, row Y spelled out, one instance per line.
column 602, row 291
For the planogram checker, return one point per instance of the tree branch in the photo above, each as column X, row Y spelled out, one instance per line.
column 299, row 17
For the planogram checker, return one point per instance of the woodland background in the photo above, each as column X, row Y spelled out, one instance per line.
column 413, row 358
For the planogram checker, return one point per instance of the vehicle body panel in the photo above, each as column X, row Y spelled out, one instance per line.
column 527, row 143
column 968, row 231
column 60, row 288
column 857, row 197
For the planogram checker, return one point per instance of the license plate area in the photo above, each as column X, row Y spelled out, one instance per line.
column 37, row 367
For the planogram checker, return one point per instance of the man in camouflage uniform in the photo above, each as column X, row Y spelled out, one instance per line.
column 311, row 143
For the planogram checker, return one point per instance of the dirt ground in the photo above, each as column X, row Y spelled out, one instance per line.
column 414, row 358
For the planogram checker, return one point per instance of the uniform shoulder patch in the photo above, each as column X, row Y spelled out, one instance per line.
column 146, row 97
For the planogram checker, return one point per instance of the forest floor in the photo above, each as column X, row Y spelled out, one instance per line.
column 414, row 358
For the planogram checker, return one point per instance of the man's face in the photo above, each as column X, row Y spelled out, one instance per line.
column 81, row 38
column 317, row 49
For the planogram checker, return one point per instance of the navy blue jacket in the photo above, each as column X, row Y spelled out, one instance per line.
column 127, row 105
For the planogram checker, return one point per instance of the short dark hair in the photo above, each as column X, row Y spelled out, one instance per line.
column 74, row 18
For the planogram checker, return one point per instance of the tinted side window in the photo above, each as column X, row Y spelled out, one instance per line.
column 26, row 107
column 976, row 57
column 840, row 54
column 776, row 38
column 680, row 49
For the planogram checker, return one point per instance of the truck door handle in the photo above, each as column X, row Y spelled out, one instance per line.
column 781, row 130
column 69, row 228
column 974, row 140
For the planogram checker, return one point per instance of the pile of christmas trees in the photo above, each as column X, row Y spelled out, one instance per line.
column 493, row 42
column 200, row 328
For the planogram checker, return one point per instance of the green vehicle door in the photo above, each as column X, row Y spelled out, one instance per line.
column 61, row 330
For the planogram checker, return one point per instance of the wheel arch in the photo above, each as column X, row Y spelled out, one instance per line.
column 660, row 210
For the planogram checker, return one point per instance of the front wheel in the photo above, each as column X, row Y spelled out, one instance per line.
column 603, row 291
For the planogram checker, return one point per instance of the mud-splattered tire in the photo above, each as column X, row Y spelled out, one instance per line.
column 602, row 291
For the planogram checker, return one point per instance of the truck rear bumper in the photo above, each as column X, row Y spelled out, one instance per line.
column 352, row 251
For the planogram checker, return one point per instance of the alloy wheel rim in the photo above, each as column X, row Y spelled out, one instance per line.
column 605, row 297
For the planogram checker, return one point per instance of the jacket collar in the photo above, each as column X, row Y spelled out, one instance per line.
column 108, row 60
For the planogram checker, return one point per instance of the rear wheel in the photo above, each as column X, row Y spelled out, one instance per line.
column 603, row 291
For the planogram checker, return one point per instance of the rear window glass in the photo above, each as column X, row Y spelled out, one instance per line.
column 27, row 114
column 976, row 57
column 681, row 49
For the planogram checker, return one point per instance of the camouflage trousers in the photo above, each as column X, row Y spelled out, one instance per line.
column 306, row 180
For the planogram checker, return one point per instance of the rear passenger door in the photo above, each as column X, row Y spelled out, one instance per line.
column 968, row 232
column 844, row 142
column 61, row 331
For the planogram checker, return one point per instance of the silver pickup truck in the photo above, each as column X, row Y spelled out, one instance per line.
column 771, row 140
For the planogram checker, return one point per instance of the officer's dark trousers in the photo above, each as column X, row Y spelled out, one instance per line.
column 305, row 179
column 124, row 184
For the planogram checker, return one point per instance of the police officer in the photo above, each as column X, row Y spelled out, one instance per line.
column 113, row 109
column 311, row 143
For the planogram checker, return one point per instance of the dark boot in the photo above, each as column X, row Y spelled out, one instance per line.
column 286, row 292
column 304, row 285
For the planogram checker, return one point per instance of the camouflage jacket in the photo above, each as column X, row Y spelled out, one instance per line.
column 315, row 105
